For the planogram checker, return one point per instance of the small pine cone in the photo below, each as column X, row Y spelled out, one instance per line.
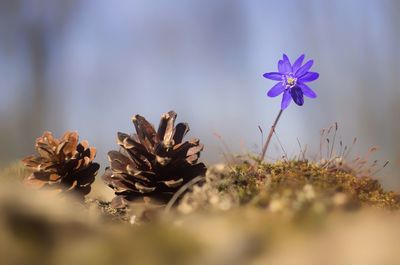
column 153, row 165
column 63, row 165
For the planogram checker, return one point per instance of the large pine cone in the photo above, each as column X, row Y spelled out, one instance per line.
column 153, row 165
column 64, row 165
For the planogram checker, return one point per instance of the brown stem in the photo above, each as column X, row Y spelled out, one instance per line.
column 271, row 132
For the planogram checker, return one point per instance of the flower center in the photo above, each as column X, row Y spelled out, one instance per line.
column 289, row 81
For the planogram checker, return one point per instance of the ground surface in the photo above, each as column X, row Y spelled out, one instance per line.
column 287, row 212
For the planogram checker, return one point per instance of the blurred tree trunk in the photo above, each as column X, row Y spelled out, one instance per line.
column 35, row 116
column 38, row 25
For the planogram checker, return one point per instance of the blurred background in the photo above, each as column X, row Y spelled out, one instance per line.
column 90, row 65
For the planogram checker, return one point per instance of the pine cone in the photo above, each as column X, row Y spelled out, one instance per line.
column 153, row 165
column 63, row 164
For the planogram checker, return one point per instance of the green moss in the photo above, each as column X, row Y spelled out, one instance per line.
column 297, row 188
column 295, row 175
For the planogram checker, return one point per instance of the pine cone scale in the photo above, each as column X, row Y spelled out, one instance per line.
column 145, row 132
column 64, row 165
column 180, row 131
column 153, row 164
column 173, row 183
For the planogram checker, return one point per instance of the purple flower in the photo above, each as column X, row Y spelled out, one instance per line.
column 292, row 81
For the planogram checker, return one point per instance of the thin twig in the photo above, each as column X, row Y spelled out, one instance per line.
column 262, row 136
column 384, row 165
column 321, row 140
column 301, row 149
column 344, row 151
column 334, row 139
column 327, row 148
column 271, row 132
column 341, row 147
column 280, row 144
column 180, row 192
column 351, row 147
column 227, row 153
column 305, row 151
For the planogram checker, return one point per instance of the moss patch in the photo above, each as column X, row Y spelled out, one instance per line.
column 290, row 187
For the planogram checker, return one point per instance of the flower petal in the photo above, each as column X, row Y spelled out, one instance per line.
column 298, row 63
column 308, row 77
column 304, row 69
column 286, row 99
column 281, row 67
column 306, row 90
column 273, row 76
column 286, row 59
column 297, row 95
column 276, row 90
column 287, row 67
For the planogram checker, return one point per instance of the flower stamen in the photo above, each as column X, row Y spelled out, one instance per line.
column 289, row 81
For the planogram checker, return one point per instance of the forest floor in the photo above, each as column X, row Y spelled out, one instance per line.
column 285, row 212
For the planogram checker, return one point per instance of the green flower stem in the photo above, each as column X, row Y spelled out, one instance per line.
column 271, row 132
